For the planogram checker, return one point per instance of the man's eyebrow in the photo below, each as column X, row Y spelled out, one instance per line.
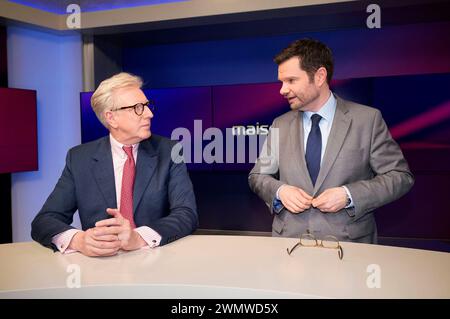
column 293, row 77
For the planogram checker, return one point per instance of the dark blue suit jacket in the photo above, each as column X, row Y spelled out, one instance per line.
column 163, row 195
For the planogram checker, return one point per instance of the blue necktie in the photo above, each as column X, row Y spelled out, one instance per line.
column 314, row 148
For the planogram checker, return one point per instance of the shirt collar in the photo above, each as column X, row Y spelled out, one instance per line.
column 116, row 146
column 327, row 110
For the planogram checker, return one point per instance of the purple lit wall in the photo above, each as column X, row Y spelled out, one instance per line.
column 248, row 105
column 358, row 53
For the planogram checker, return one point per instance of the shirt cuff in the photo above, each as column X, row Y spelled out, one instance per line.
column 277, row 196
column 349, row 196
column 151, row 237
column 277, row 205
column 62, row 240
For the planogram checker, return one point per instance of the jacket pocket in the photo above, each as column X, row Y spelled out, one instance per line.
column 361, row 228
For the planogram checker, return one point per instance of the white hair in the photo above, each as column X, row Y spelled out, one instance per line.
column 102, row 99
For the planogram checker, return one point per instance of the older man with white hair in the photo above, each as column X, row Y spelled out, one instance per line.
column 127, row 189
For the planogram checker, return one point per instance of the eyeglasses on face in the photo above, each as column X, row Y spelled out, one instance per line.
column 138, row 107
column 308, row 240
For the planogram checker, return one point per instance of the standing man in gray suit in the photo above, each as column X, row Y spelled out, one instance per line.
column 333, row 162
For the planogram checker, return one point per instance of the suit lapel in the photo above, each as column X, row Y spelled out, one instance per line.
column 297, row 136
column 103, row 172
column 339, row 129
column 145, row 168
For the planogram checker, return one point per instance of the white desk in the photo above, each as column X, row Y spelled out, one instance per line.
column 201, row 266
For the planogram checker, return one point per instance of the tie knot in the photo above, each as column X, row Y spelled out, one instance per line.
column 315, row 119
column 128, row 150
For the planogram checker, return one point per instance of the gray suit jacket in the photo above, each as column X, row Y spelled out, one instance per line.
column 360, row 154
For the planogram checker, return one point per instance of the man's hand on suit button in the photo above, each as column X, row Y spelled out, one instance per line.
column 331, row 200
column 294, row 199
column 119, row 227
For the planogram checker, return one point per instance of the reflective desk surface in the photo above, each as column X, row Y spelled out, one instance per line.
column 202, row 266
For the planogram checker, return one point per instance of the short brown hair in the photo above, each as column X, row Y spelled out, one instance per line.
column 313, row 54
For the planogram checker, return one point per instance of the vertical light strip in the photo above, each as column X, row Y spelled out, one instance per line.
column 52, row 65
column 88, row 63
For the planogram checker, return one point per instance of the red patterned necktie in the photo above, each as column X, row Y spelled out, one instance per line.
column 126, row 196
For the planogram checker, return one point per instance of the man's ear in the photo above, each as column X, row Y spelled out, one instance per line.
column 110, row 119
column 320, row 77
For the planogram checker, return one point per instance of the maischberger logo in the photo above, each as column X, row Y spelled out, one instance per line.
column 250, row 129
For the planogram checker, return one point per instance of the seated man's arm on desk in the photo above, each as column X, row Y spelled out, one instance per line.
column 51, row 227
column 104, row 241
column 130, row 239
column 95, row 243
column 57, row 212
